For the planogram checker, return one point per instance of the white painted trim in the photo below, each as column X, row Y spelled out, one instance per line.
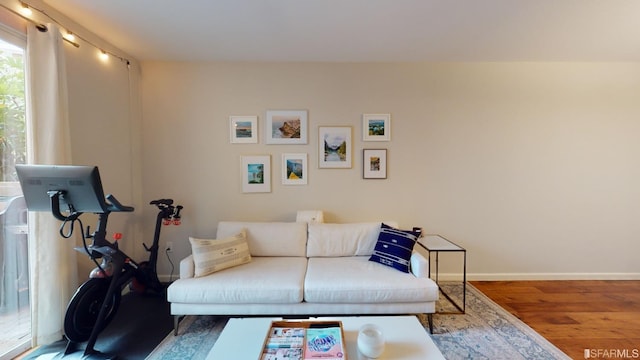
column 539, row 276
column 514, row 276
column 18, row 349
column 13, row 35
column 166, row 277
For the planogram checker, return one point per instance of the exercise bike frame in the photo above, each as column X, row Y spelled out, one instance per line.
column 122, row 269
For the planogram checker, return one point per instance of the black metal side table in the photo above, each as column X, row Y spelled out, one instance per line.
column 434, row 243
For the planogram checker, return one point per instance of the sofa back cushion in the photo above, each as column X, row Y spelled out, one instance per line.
column 269, row 238
column 335, row 240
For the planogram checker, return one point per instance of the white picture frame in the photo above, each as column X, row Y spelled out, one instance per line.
column 374, row 163
column 243, row 129
column 286, row 127
column 334, row 147
column 256, row 173
column 294, row 169
column 376, row 127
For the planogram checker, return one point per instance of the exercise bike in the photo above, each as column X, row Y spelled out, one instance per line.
column 96, row 302
column 78, row 189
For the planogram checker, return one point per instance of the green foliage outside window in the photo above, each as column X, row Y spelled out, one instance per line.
column 13, row 146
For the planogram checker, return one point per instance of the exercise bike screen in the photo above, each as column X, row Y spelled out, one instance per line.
column 80, row 184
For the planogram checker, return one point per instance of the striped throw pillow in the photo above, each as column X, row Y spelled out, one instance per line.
column 394, row 247
column 211, row 255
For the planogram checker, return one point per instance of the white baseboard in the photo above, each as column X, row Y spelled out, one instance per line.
column 509, row 276
column 167, row 278
column 538, row 276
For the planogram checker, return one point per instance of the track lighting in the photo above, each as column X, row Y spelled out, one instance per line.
column 69, row 36
column 25, row 10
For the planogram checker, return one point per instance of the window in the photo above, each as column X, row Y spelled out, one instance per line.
column 14, row 270
column 12, row 111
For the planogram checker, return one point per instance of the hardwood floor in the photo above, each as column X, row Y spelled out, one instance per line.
column 602, row 316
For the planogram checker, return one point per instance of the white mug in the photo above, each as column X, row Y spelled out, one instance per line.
column 371, row 341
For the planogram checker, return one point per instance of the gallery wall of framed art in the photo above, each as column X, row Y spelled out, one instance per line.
column 334, row 149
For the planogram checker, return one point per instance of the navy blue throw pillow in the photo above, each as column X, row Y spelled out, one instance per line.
column 394, row 247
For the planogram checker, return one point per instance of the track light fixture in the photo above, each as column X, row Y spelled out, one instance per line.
column 70, row 38
column 25, row 10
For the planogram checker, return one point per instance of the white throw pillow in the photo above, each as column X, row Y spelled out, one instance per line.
column 211, row 255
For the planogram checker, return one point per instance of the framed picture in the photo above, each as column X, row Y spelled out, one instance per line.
column 334, row 149
column 286, row 127
column 256, row 173
column 374, row 165
column 376, row 127
column 294, row 169
column 243, row 129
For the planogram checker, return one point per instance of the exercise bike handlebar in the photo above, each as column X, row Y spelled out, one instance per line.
column 114, row 205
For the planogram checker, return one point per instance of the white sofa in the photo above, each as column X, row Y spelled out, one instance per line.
column 304, row 269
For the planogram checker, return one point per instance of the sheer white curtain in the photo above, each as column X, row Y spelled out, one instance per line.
column 52, row 260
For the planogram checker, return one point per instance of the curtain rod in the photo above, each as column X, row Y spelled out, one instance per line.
column 43, row 28
column 40, row 26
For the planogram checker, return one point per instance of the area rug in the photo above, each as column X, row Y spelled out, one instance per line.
column 485, row 331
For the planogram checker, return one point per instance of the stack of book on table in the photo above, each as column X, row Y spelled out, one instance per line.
column 304, row 340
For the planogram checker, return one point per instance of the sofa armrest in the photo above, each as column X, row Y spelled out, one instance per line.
column 419, row 265
column 187, row 267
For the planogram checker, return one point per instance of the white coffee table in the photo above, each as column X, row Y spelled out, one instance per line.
column 406, row 338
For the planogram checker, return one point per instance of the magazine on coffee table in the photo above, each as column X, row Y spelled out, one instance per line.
column 304, row 340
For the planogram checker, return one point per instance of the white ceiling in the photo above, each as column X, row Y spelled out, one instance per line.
column 364, row 30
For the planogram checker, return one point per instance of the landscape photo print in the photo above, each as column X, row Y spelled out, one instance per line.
column 334, row 147
column 286, row 127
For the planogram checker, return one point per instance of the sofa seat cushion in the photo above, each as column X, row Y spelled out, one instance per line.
column 358, row 280
column 265, row 280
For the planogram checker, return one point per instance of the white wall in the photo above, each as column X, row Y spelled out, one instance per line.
column 533, row 167
column 104, row 132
